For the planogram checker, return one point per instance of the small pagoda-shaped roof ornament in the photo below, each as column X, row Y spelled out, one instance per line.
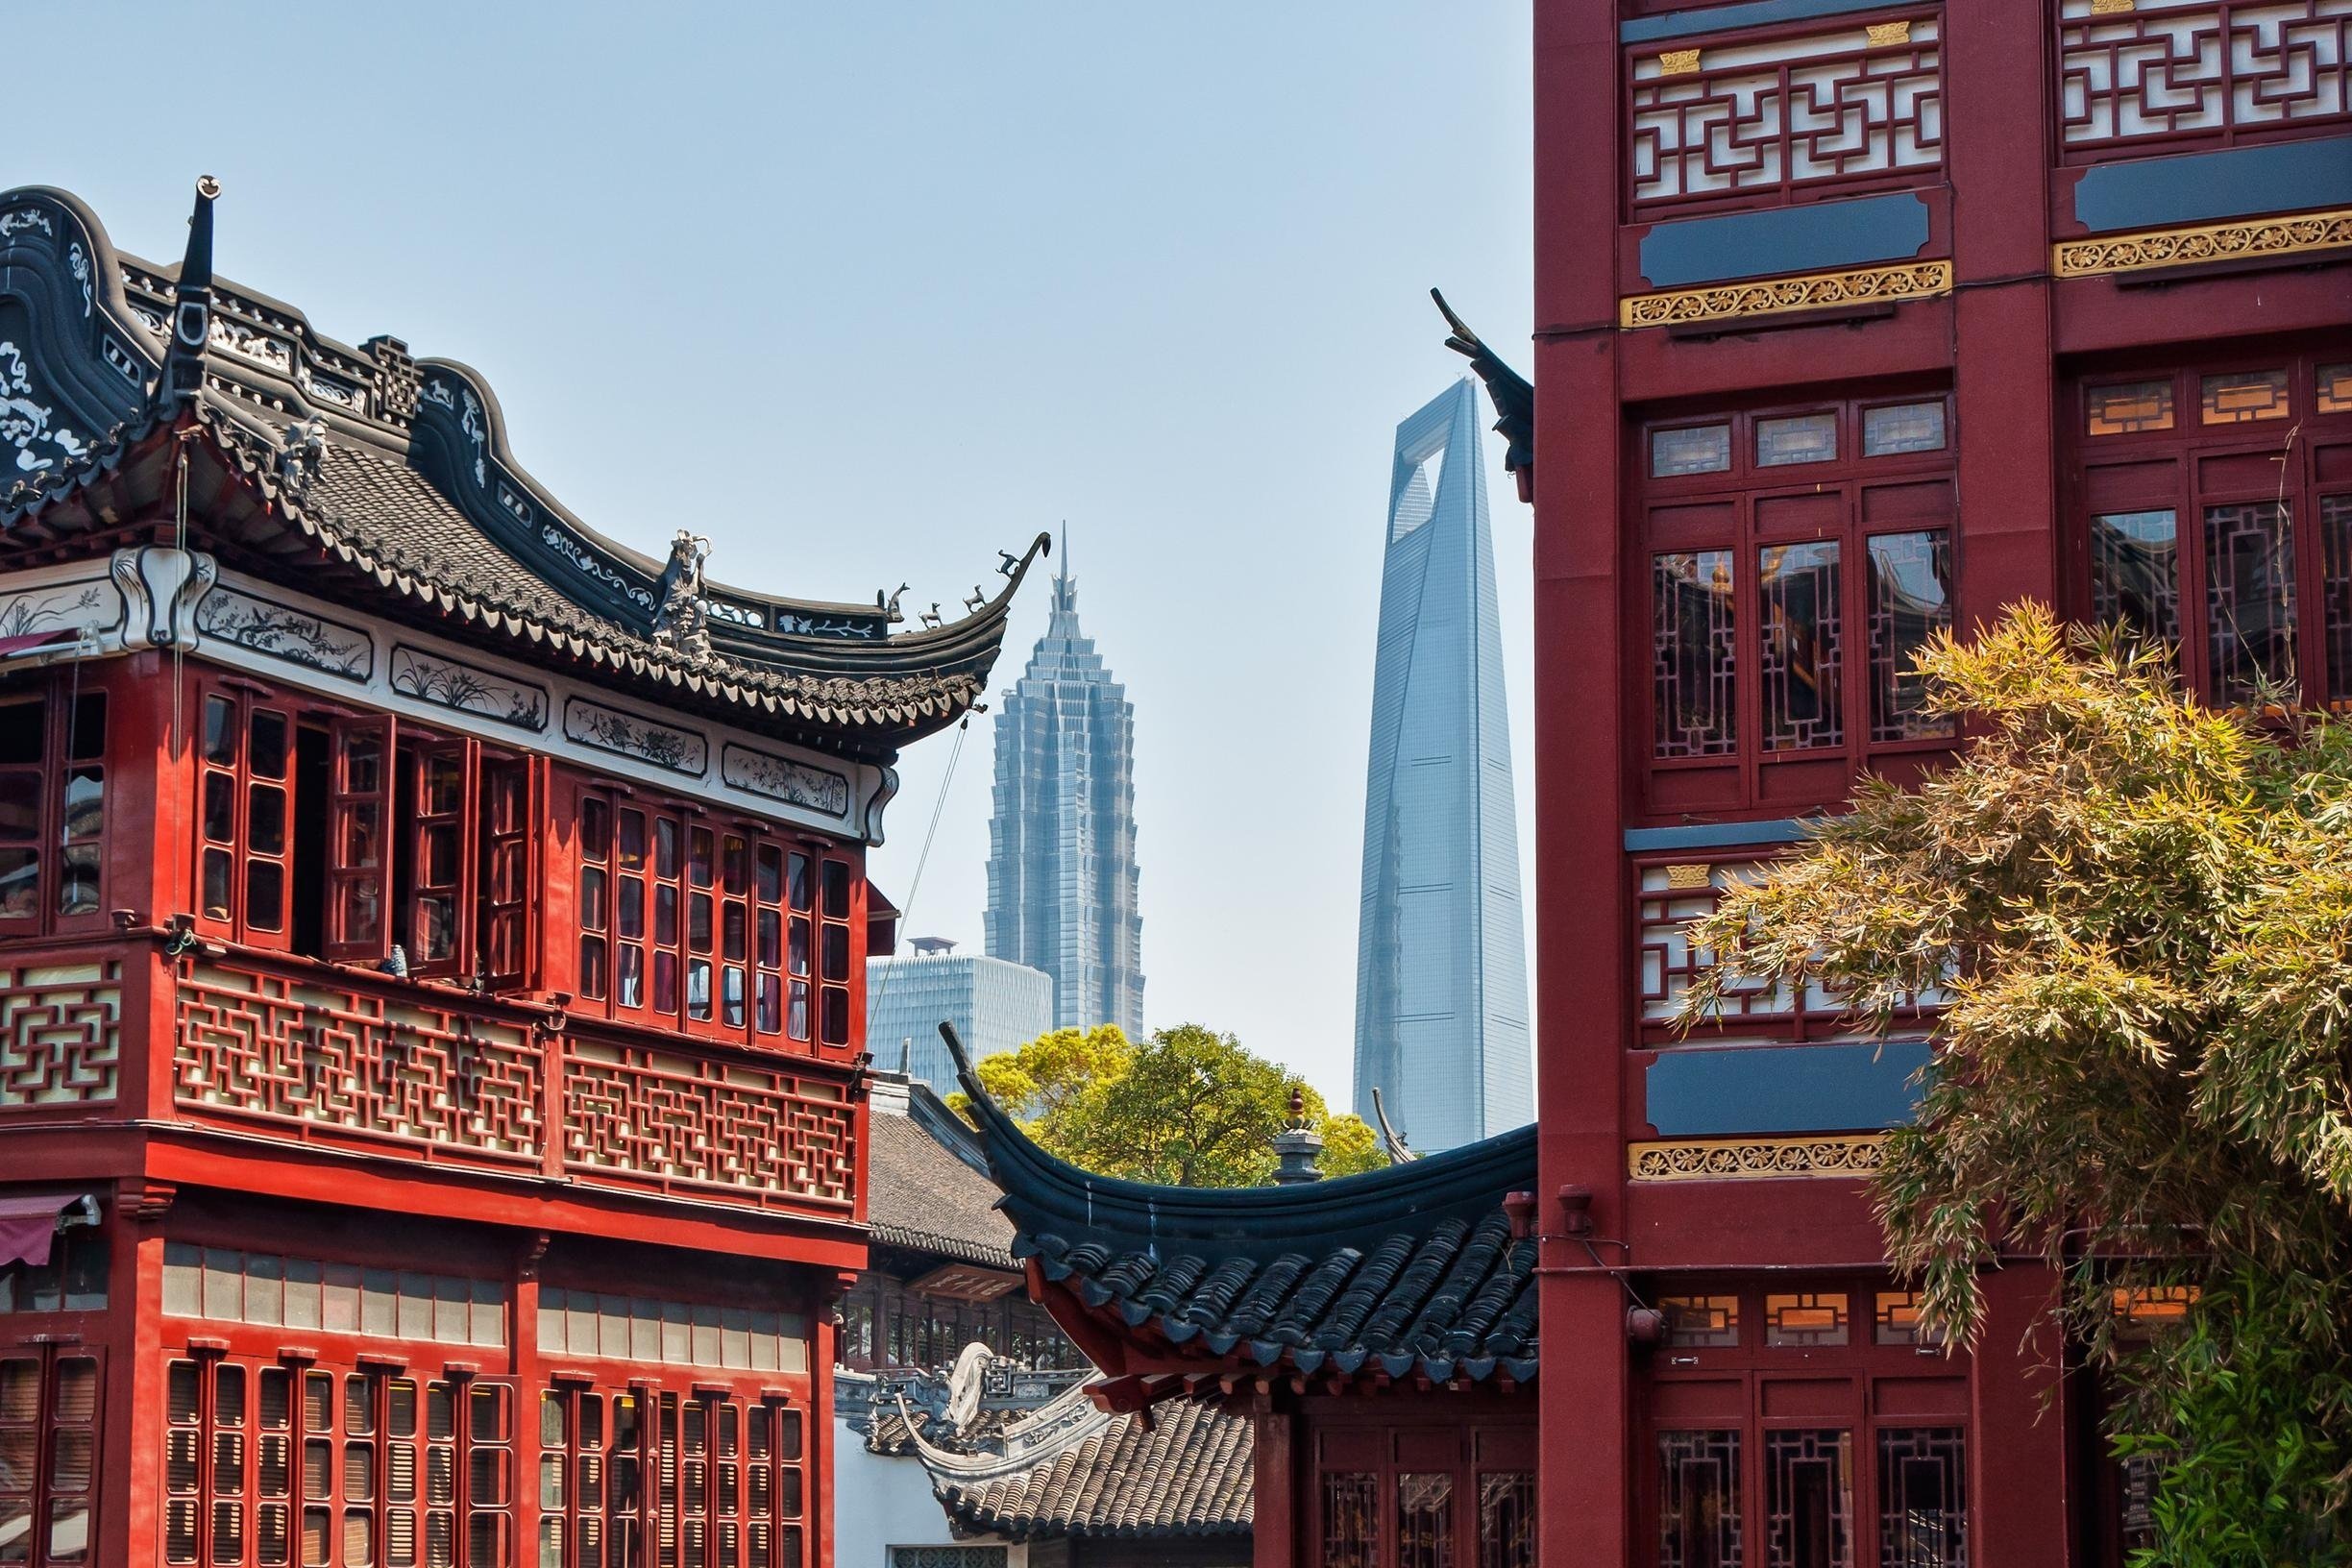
column 1297, row 1146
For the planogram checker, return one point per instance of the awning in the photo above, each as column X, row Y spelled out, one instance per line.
column 28, row 1226
column 35, row 645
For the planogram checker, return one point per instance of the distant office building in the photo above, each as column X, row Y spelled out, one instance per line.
column 994, row 1005
column 1062, row 860
column 1441, row 992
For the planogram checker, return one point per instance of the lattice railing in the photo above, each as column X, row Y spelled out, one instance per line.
column 2164, row 74
column 770, row 1134
column 1755, row 122
column 61, row 1033
column 442, row 1078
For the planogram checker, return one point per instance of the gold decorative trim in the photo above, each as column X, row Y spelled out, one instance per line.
column 1684, row 878
column 1677, row 62
column 1747, row 1159
column 2113, row 8
column 2208, row 242
column 1814, row 291
column 1882, row 34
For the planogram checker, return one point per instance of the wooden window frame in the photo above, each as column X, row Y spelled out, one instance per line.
column 61, row 694
column 1467, row 1450
column 685, row 895
column 41, row 1495
column 1733, row 510
column 2311, row 453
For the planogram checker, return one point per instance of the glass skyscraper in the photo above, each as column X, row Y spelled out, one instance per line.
column 1061, row 850
column 1441, row 992
column 996, row 1006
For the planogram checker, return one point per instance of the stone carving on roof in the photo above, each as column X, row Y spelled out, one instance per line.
column 682, row 622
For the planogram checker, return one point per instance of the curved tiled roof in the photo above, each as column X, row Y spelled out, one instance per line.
column 920, row 1197
column 1069, row 1470
column 1406, row 1272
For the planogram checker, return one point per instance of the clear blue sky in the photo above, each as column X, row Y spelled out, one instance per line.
column 865, row 293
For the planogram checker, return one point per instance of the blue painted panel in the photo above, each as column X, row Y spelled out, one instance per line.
column 1714, row 835
column 1784, row 1089
column 2282, row 176
column 1807, row 239
column 1685, row 24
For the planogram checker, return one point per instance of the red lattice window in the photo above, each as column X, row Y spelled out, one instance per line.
column 2171, row 75
column 1424, row 1496
column 2215, row 514
column 1797, row 559
column 50, row 1399
column 290, row 1466
column 343, row 836
column 719, row 924
column 52, row 768
column 1766, row 118
column 658, row 1476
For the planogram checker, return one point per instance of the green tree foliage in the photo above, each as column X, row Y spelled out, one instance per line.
column 2138, row 912
column 1189, row 1106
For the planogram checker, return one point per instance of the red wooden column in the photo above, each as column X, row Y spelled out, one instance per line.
column 129, row 1529
column 2019, row 1457
column 1276, row 1490
column 1581, row 949
column 1997, row 118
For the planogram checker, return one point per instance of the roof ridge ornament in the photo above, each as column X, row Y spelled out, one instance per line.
column 682, row 622
column 1512, row 394
column 192, row 323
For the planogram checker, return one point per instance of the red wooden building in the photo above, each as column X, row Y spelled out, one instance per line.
column 431, row 944
column 1855, row 320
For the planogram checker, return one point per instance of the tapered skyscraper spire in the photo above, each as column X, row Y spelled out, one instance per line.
column 1441, row 994
column 1061, row 861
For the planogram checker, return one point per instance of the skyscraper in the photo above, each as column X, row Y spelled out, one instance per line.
column 1062, row 860
column 994, row 1005
column 1441, row 994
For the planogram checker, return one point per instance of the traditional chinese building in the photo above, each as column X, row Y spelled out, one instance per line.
column 1855, row 321
column 1378, row 1333
column 432, row 944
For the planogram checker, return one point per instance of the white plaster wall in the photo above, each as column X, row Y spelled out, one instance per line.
column 880, row 1502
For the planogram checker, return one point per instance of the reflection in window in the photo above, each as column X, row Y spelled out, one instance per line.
column 1804, row 1317
column 1910, row 603
column 1796, row 588
column 1351, row 1519
column 2129, row 409
column 1506, row 1519
column 1906, row 427
column 1698, row 449
column 2333, row 385
column 2249, row 598
column 2243, row 395
column 1895, row 1320
column 2135, row 571
column 1425, row 1520
column 1799, row 438
column 1699, row 1500
column 1700, row 1320
column 1922, row 1498
column 1694, row 651
column 1808, row 1498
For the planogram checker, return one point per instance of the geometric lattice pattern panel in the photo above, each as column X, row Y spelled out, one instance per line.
column 671, row 1118
column 60, row 1035
column 2199, row 73
column 949, row 1557
column 1764, row 119
column 1923, row 1497
column 357, row 1062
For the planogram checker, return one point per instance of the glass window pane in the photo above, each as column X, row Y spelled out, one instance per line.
column 1694, row 650
column 1699, row 1499
column 1796, row 587
column 267, row 752
column 1804, row 1317
column 1698, row 449
column 1506, row 1519
column 1425, row 1520
column 1797, row 438
column 2334, row 386
column 2335, row 550
column 2135, row 571
column 1808, row 1498
column 1923, row 1497
column 2240, row 396
column 2128, row 409
column 1351, row 1519
column 1910, row 604
column 1700, row 1320
column 836, row 891
column 1904, row 426
column 1897, row 1320
column 2249, row 598
column 20, row 797
column 220, row 731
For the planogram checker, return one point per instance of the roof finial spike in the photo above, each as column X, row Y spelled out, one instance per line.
column 192, row 323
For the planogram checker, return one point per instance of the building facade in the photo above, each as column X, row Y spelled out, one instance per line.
column 1855, row 321
column 996, row 1005
column 1441, row 992
column 1062, row 881
column 431, row 964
